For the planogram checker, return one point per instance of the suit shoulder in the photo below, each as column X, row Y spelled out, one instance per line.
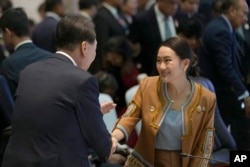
column 145, row 15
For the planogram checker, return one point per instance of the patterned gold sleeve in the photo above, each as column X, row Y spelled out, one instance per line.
column 208, row 147
column 208, row 141
column 128, row 120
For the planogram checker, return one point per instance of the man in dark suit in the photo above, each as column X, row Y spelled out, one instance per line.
column 221, row 63
column 109, row 22
column 57, row 113
column 44, row 34
column 149, row 29
column 15, row 27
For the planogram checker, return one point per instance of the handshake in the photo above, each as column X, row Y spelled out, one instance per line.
column 119, row 153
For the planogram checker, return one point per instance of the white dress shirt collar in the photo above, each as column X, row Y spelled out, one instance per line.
column 54, row 15
column 68, row 56
column 22, row 43
column 228, row 23
column 161, row 19
column 85, row 14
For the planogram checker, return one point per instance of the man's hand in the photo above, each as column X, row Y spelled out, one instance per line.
column 117, row 159
column 114, row 145
column 107, row 107
column 247, row 106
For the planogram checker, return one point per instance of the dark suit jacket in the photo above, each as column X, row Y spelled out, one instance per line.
column 24, row 55
column 145, row 30
column 57, row 114
column 44, row 34
column 106, row 26
column 219, row 58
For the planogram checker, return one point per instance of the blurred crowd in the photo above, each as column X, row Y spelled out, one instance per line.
column 129, row 33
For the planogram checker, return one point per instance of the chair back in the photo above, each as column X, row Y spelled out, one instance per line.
column 111, row 117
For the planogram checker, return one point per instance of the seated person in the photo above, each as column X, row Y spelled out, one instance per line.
column 191, row 30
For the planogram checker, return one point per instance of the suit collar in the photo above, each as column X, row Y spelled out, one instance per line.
column 111, row 9
column 62, row 57
column 228, row 23
column 22, row 43
column 53, row 15
column 68, row 56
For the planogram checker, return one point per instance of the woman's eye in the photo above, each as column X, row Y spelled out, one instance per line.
column 167, row 60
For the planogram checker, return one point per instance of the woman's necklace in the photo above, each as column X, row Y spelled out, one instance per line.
column 183, row 90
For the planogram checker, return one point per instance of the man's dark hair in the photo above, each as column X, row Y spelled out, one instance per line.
column 72, row 30
column 216, row 6
column 120, row 45
column 50, row 4
column 85, row 4
column 190, row 27
column 226, row 4
column 5, row 4
column 16, row 20
column 106, row 81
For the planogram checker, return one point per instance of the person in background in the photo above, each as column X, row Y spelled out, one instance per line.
column 117, row 60
column 129, row 10
column 216, row 7
column 221, row 62
column 109, row 22
column 149, row 29
column 144, row 5
column 44, row 34
column 57, row 113
column 177, row 114
column 16, row 34
column 189, row 9
column 88, row 8
column 41, row 10
column 107, row 83
column 191, row 31
column 4, row 5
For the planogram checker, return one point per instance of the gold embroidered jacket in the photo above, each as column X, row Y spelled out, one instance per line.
column 149, row 104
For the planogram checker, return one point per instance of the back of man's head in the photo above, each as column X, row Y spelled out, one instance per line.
column 16, row 20
column 227, row 4
column 73, row 30
column 51, row 4
column 86, row 4
column 5, row 4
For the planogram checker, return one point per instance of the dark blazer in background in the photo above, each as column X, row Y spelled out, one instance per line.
column 44, row 34
column 56, row 116
column 24, row 55
column 106, row 26
column 145, row 31
column 220, row 61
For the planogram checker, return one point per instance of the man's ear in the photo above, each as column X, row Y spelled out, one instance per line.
column 8, row 31
column 84, row 46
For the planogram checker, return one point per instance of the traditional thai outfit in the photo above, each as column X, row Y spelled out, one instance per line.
column 152, row 105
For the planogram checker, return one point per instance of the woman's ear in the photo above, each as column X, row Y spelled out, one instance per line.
column 186, row 63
